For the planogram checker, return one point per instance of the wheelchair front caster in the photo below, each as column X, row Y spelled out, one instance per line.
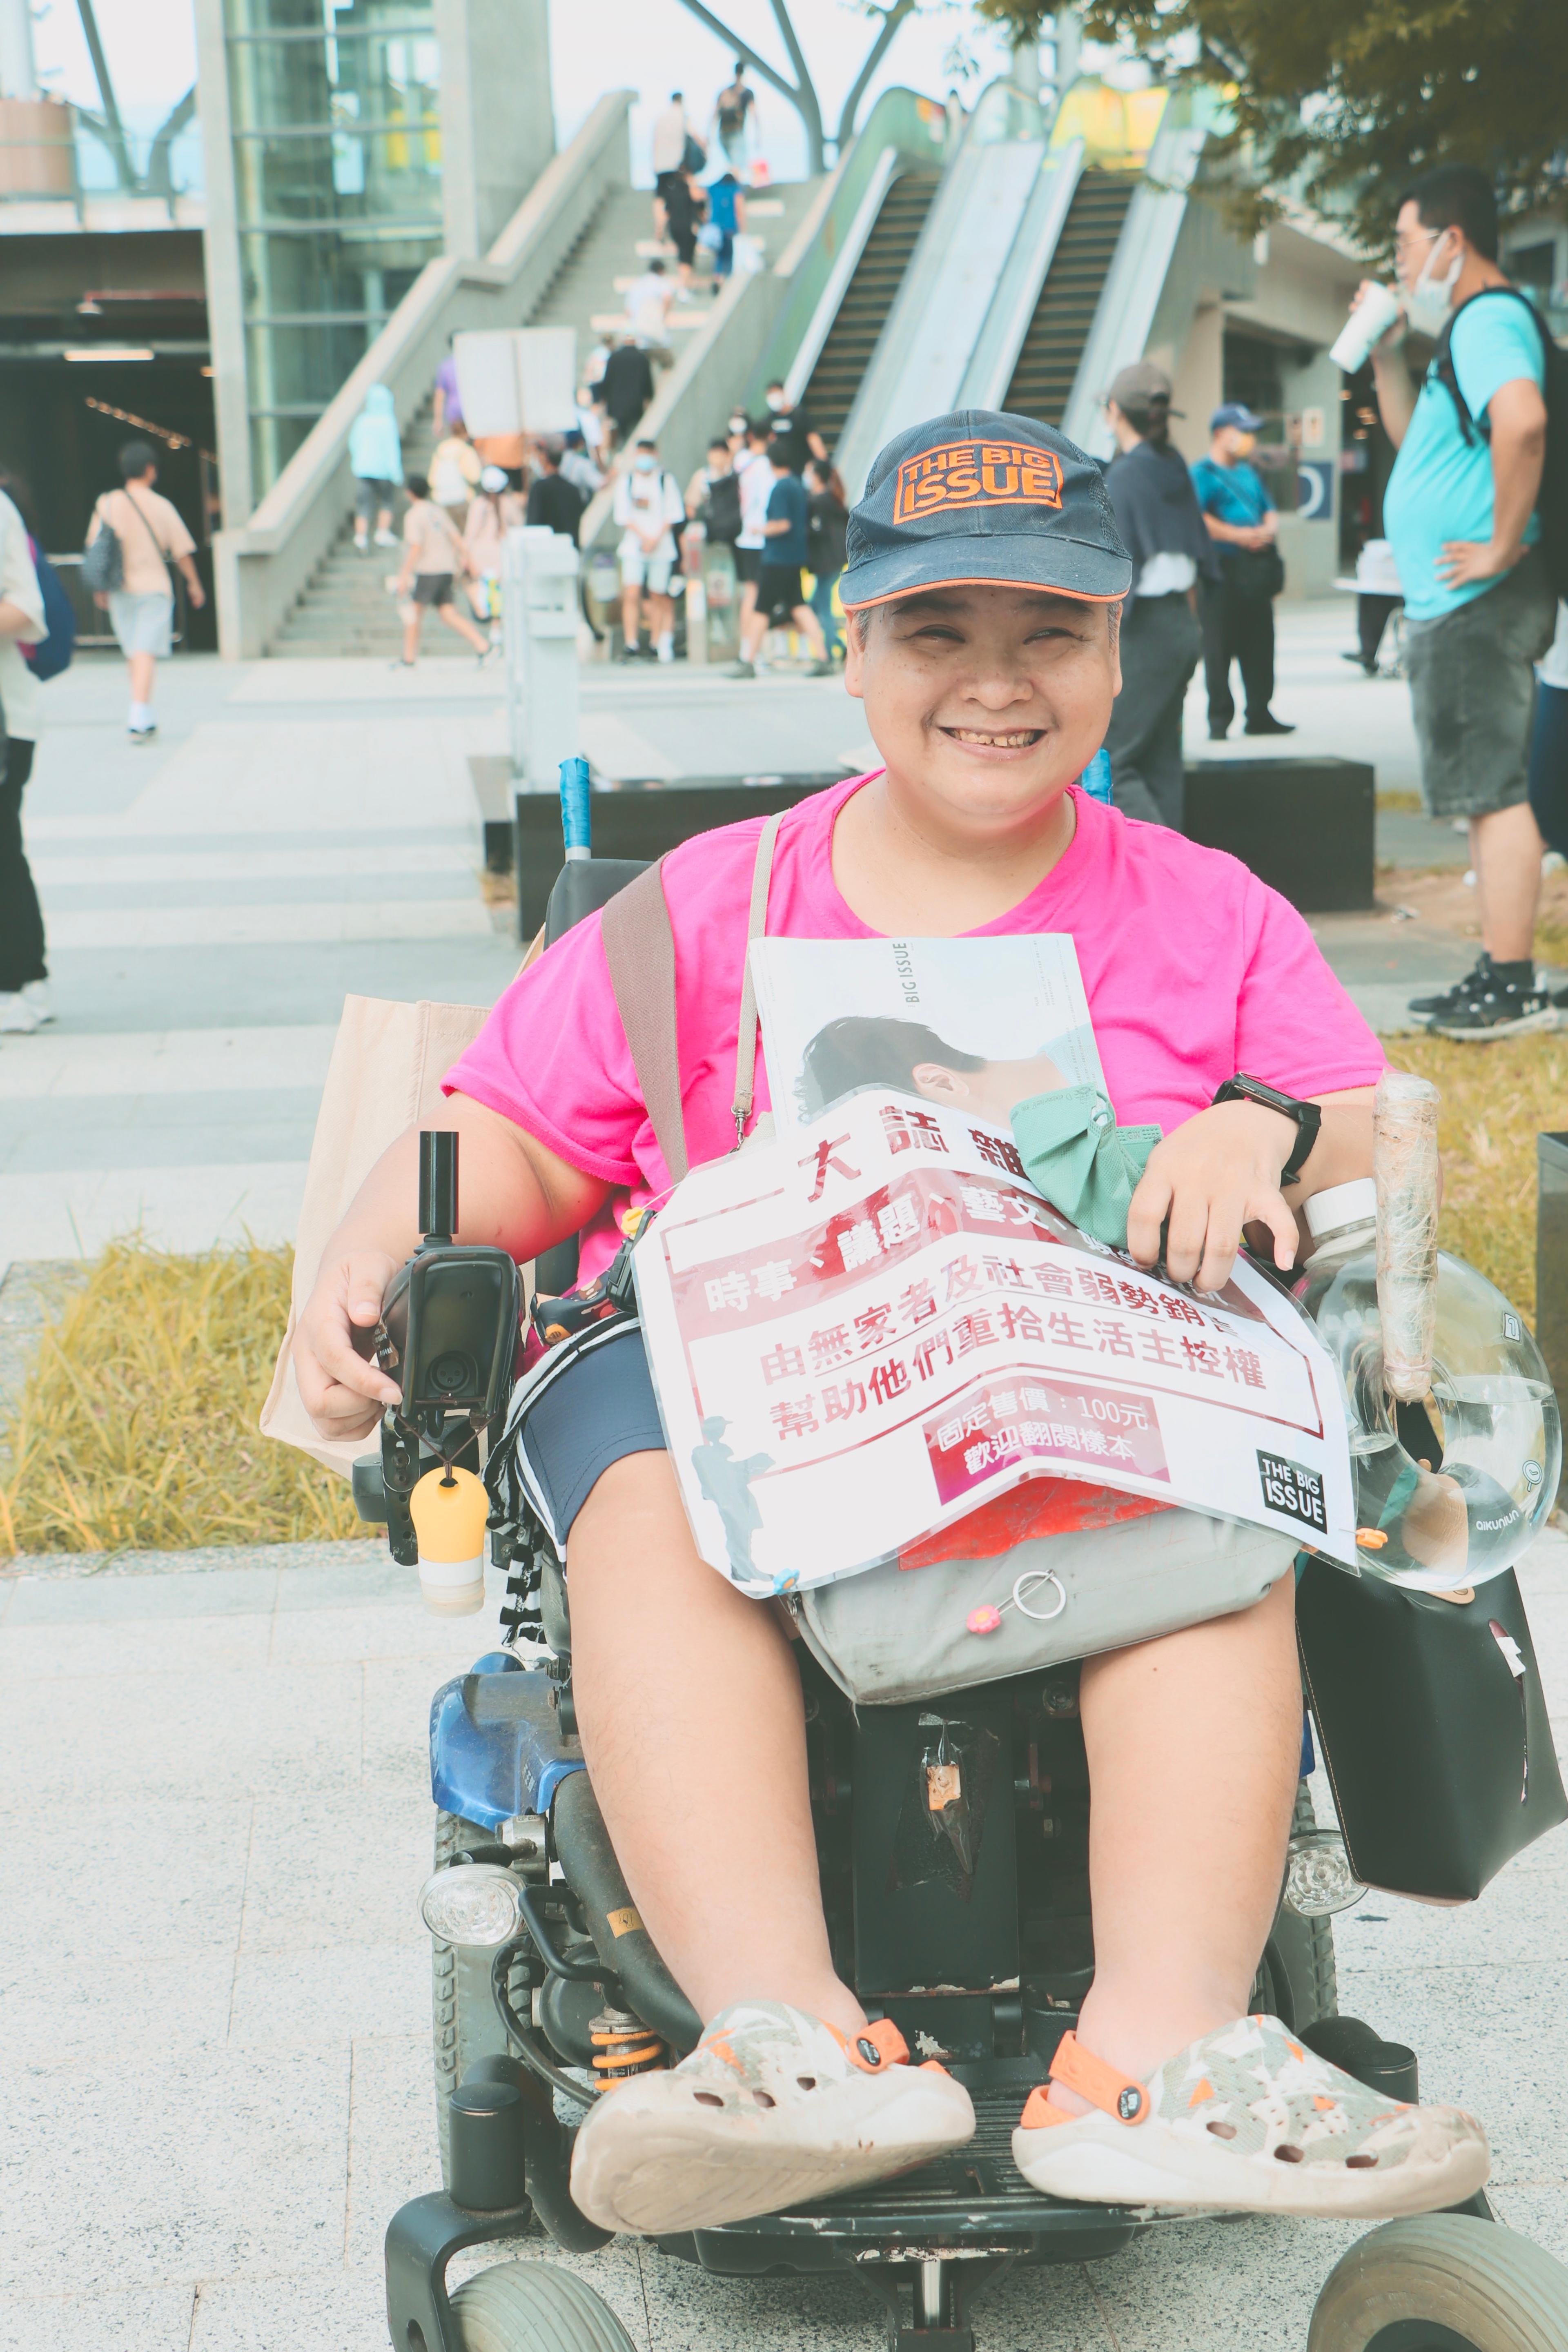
column 1445, row 2281
column 534, row 2307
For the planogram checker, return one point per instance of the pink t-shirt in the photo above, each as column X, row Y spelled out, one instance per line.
column 1194, row 970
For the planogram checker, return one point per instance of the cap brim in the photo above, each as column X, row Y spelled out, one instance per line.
column 1052, row 566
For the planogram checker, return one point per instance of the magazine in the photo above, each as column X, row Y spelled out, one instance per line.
column 865, row 1329
column 973, row 1025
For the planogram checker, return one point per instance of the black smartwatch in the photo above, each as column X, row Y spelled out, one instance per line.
column 1308, row 1119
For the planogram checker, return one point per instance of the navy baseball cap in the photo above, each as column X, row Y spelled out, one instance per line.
column 983, row 499
column 1237, row 412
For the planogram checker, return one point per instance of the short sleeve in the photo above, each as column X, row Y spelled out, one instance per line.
column 554, row 1058
column 1494, row 343
column 179, row 540
column 1296, row 1027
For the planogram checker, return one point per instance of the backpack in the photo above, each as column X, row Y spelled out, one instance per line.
column 721, row 510
column 1552, row 499
column 53, row 651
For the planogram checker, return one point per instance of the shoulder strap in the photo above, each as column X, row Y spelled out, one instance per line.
column 158, row 548
column 757, row 929
column 640, row 948
column 1448, row 375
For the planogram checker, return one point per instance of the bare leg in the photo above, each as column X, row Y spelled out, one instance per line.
column 1195, row 1745
column 1505, row 850
column 631, row 605
column 411, row 629
column 692, row 1724
column 810, row 628
column 464, row 627
column 143, row 669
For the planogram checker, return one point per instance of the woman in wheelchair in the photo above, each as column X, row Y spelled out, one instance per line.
column 986, row 582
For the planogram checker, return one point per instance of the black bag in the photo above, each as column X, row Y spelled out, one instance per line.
column 693, row 154
column 1433, row 1729
column 1551, row 501
column 721, row 510
column 1254, row 570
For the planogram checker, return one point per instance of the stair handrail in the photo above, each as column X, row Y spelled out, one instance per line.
column 1129, row 298
column 263, row 566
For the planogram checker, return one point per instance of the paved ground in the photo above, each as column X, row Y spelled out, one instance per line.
column 214, row 1820
column 303, row 829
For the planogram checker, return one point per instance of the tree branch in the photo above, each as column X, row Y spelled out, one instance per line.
column 119, row 146
column 804, row 99
column 891, row 19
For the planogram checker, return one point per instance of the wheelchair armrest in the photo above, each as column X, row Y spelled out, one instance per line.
column 581, row 887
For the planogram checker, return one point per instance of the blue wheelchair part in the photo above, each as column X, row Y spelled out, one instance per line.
column 497, row 1746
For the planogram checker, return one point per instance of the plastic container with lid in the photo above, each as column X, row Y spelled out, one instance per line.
column 1458, row 1482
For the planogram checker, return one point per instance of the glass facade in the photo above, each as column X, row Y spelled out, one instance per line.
column 338, row 191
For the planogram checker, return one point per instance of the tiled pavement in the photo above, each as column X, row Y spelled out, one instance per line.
column 215, row 1819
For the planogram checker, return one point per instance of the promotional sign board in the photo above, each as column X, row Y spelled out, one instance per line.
column 865, row 1329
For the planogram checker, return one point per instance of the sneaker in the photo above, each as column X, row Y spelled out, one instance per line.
column 387, row 539
column 142, row 734
column 1250, row 2120
column 739, row 669
column 35, row 993
column 820, row 669
column 1362, row 663
column 492, row 653
column 1270, row 724
column 1506, row 1009
column 773, row 2106
column 361, row 546
column 17, row 1018
column 1448, row 1000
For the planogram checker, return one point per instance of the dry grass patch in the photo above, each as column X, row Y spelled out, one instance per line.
column 137, row 1427
column 1496, row 1100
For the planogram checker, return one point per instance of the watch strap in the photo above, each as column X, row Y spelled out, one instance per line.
column 1307, row 1115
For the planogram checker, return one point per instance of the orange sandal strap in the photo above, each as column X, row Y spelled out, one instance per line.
column 1077, row 2069
column 875, row 2046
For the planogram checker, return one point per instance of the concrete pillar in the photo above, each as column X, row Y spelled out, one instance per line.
column 497, row 129
column 18, row 75
column 220, row 250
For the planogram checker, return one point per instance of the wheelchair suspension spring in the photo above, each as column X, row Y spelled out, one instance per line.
column 623, row 2045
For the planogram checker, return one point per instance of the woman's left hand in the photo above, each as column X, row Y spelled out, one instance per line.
column 1206, row 1181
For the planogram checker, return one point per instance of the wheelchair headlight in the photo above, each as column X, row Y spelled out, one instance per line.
column 1317, row 1876
column 471, row 1902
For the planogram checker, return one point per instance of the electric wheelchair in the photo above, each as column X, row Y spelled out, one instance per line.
column 973, row 1935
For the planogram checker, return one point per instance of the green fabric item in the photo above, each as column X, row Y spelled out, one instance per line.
column 1080, row 1159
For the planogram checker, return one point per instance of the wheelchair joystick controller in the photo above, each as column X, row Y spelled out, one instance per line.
column 449, row 1335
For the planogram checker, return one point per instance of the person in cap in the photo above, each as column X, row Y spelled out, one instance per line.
column 1159, row 518
column 496, row 508
column 985, row 586
column 1238, row 607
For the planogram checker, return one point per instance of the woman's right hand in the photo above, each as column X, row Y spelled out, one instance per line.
column 343, row 1391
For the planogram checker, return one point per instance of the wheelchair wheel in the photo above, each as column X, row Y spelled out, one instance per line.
column 534, row 2307
column 1297, row 1981
column 464, row 2020
column 1443, row 2284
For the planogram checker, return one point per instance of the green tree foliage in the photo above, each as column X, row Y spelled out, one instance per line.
column 1349, row 99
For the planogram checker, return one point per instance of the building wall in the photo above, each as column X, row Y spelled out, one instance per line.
column 497, row 129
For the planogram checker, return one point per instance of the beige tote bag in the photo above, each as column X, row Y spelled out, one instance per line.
column 384, row 1077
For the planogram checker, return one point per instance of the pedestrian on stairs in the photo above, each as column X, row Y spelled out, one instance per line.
column 376, row 461
column 433, row 556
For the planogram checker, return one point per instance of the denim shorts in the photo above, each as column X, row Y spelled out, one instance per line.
column 600, row 1408
column 1472, row 691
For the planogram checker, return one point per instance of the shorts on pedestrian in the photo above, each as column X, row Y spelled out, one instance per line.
column 600, row 1408
column 748, row 564
column 373, row 497
column 432, row 588
column 1472, row 691
column 650, row 572
column 142, row 621
column 779, row 592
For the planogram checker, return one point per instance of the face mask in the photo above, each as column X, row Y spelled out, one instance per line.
column 775, row 401
column 1429, row 304
column 644, row 464
column 1245, row 444
column 738, row 427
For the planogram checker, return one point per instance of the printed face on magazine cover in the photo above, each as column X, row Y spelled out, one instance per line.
column 990, row 700
column 993, row 1090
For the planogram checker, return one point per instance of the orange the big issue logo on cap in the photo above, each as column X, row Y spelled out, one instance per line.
column 976, row 474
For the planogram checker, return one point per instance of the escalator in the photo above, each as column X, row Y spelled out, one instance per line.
column 841, row 364
column 1048, row 363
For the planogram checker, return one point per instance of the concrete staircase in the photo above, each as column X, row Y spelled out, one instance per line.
column 345, row 609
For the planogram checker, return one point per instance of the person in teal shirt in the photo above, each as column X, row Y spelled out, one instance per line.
column 1238, row 606
column 1460, row 514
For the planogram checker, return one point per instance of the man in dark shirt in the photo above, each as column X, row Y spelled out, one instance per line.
column 626, row 388
column 780, row 603
column 794, row 430
column 553, row 500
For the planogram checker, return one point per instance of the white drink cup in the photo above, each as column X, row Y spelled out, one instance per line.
column 1367, row 324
